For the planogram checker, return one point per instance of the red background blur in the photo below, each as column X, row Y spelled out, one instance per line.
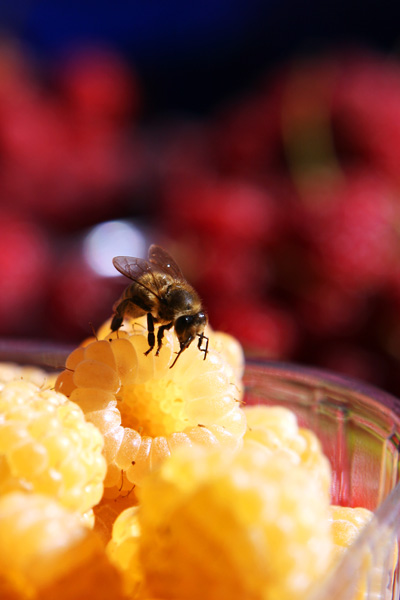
column 276, row 187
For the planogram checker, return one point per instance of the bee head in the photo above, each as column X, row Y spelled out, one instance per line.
column 188, row 326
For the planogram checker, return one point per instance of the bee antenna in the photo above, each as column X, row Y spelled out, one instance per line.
column 93, row 331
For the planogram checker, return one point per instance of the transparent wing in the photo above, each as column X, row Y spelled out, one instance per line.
column 164, row 262
column 131, row 267
column 142, row 272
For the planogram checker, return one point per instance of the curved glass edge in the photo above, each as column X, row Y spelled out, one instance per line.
column 378, row 542
column 323, row 379
column 47, row 355
column 380, row 536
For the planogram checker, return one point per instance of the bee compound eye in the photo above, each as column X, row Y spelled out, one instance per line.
column 183, row 323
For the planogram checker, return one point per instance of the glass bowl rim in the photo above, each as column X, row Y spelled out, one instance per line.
column 52, row 355
column 325, row 379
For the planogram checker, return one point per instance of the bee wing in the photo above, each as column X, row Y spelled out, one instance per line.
column 164, row 262
column 131, row 267
column 135, row 268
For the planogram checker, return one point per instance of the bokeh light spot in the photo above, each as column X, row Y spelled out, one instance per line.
column 109, row 239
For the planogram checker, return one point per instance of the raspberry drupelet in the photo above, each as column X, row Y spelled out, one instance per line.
column 144, row 409
column 276, row 430
column 47, row 446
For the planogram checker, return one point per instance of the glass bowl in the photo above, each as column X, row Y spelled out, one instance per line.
column 359, row 429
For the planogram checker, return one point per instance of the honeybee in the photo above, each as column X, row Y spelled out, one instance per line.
column 160, row 290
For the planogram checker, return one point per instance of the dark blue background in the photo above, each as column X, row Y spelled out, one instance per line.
column 190, row 55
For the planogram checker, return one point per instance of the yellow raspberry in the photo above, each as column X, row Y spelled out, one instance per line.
column 230, row 348
column 376, row 575
column 347, row 524
column 144, row 408
column 123, row 551
column 11, row 371
column 276, row 429
column 214, row 525
column 46, row 552
column 46, row 446
column 108, row 510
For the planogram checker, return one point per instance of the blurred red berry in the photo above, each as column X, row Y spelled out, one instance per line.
column 66, row 155
column 99, row 84
column 25, row 267
column 263, row 329
column 18, row 78
column 79, row 298
column 326, row 310
column 247, row 137
column 226, row 269
column 179, row 149
column 366, row 112
column 353, row 361
column 351, row 229
column 228, row 209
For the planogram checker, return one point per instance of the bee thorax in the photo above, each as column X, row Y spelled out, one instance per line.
column 178, row 301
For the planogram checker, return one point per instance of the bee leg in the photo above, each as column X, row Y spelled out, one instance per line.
column 200, row 342
column 119, row 313
column 160, row 335
column 150, row 333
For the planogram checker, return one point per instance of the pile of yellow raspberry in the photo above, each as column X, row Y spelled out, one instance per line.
column 127, row 479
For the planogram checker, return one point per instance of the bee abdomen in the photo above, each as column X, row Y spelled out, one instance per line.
column 135, row 301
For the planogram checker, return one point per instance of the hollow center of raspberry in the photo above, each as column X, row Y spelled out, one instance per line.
column 155, row 408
